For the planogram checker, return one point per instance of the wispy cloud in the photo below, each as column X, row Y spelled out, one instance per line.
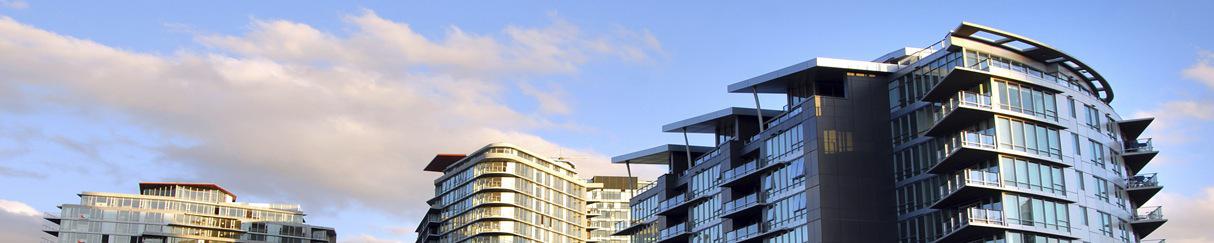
column 1189, row 217
column 1203, row 70
column 291, row 112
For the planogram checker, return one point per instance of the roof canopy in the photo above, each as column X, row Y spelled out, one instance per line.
column 145, row 185
column 441, row 161
column 1038, row 51
column 777, row 81
column 707, row 123
column 659, row 155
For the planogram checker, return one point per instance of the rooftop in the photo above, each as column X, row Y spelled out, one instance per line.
column 659, row 155
column 143, row 185
column 707, row 123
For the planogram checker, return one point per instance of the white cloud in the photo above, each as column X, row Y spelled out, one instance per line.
column 291, row 112
column 1189, row 218
column 1203, row 70
column 552, row 99
column 20, row 222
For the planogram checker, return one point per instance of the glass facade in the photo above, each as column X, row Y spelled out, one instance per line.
column 976, row 151
column 182, row 212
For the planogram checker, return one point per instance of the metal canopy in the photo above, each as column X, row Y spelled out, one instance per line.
column 1038, row 51
column 1132, row 128
column 777, row 81
column 441, row 161
column 659, row 155
column 707, row 123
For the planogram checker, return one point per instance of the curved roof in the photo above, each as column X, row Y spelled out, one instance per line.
column 1039, row 51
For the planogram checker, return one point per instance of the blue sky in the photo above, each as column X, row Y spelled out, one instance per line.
column 336, row 105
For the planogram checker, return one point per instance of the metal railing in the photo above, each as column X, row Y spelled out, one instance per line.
column 963, row 98
column 1151, row 213
column 673, row 202
column 964, row 177
column 743, row 169
column 783, row 117
column 709, row 156
column 673, row 230
column 746, row 201
column 926, row 51
column 743, row 233
column 1142, row 180
column 1140, row 145
column 956, row 141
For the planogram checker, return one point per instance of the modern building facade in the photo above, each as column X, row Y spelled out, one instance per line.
column 503, row 193
column 985, row 136
column 175, row 212
column 607, row 205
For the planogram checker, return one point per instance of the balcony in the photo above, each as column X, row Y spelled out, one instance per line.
column 970, row 185
column 753, row 233
column 593, row 212
column 1141, row 188
column 960, row 111
column 677, row 233
column 966, row 108
column 971, row 223
column 1137, row 154
column 632, row 226
column 977, row 73
column 962, row 150
column 1147, row 220
column 747, row 206
column 746, row 174
column 674, row 205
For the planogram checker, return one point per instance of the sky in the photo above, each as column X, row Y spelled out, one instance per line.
column 338, row 105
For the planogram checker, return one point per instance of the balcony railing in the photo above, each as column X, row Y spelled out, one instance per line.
column 1149, row 213
column 956, row 141
column 708, row 156
column 746, row 201
column 1141, row 145
column 1141, row 181
column 963, row 98
column 968, row 177
column 792, row 112
column 673, row 202
column 673, row 231
column 742, row 233
column 968, row 216
column 743, row 169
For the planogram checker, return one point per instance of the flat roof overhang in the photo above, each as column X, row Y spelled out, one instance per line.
column 144, row 185
column 1038, row 51
column 707, row 123
column 776, row 82
column 441, row 161
column 1140, row 195
column 1135, row 161
column 659, row 155
column 1144, row 227
column 1132, row 128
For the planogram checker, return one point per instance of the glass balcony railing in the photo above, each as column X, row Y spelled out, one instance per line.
column 1148, row 213
column 672, row 231
column 743, row 169
column 963, row 99
column 1019, row 71
column 968, row 216
column 673, row 202
column 746, row 201
column 954, row 142
column 968, row 177
column 708, row 156
column 1141, row 181
column 1140, row 145
column 742, row 233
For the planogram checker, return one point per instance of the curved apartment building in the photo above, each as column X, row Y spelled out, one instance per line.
column 985, row 136
column 176, row 212
column 502, row 193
